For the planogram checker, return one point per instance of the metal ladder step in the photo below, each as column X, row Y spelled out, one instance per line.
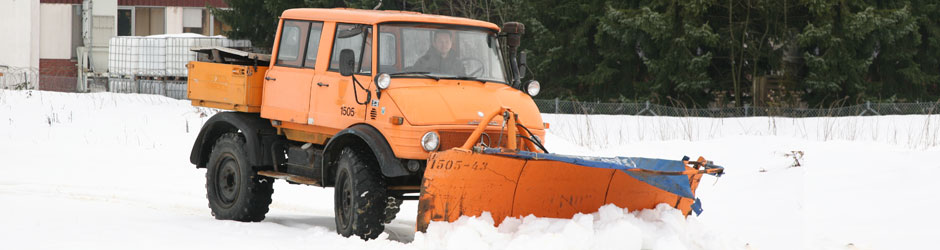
column 290, row 177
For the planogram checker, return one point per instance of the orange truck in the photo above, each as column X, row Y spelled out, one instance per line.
column 387, row 106
column 352, row 99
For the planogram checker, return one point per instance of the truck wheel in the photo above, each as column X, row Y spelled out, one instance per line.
column 360, row 195
column 393, row 206
column 234, row 189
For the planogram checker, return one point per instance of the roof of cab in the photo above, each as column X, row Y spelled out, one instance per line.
column 379, row 16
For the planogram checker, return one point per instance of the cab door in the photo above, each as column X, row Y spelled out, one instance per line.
column 287, row 84
column 340, row 101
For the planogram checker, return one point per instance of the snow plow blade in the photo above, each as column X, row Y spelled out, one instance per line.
column 516, row 183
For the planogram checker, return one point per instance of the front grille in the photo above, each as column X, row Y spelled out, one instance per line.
column 453, row 139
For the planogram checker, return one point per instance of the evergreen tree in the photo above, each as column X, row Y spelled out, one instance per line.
column 675, row 43
column 842, row 41
column 690, row 52
column 253, row 20
column 901, row 70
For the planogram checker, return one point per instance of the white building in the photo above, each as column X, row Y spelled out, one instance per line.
column 42, row 40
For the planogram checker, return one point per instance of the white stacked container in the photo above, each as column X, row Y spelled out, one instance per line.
column 154, row 87
column 122, row 55
column 122, row 85
column 152, row 57
column 179, row 54
column 160, row 55
column 176, row 89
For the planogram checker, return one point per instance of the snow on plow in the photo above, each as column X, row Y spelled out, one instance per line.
column 522, row 178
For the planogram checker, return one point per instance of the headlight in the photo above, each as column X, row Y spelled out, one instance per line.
column 533, row 87
column 383, row 80
column 430, row 141
column 537, row 139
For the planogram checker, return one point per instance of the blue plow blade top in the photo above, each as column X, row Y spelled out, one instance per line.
column 676, row 184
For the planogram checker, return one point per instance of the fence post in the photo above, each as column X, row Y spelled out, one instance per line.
column 868, row 108
column 647, row 108
column 556, row 105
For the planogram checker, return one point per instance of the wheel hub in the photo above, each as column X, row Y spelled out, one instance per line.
column 227, row 181
column 345, row 211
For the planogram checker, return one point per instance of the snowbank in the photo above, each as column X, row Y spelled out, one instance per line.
column 111, row 171
column 609, row 228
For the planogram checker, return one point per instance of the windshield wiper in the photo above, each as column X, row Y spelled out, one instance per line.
column 424, row 74
column 464, row 78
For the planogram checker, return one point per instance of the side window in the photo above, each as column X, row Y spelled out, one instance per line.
column 313, row 43
column 356, row 37
column 387, row 50
column 293, row 36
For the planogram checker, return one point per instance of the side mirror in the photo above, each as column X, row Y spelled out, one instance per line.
column 522, row 64
column 347, row 62
column 513, row 32
column 348, row 33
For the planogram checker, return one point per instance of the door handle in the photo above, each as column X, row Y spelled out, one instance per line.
column 322, row 84
column 270, row 78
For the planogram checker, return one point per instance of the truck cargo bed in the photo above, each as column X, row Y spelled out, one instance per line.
column 226, row 86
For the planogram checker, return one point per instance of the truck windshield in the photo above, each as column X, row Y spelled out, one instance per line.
column 440, row 51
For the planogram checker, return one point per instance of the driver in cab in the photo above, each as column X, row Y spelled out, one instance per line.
column 440, row 58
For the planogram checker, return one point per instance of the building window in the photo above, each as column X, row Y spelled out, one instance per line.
column 125, row 21
column 149, row 21
column 195, row 21
column 141, row 21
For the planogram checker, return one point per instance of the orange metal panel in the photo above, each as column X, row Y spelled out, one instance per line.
column 309, row 128
column 227, row 86
column 560, row 190
column 463, row 183
column 287, row 94
column 516, row 187
column 628, row 192
column 304, row 136
column 458, row 102
column 227, row 106
column 337, row 94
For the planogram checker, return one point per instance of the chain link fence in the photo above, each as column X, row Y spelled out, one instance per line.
column 556, row 106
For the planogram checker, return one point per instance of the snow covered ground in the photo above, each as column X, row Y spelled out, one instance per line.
column 111, row 171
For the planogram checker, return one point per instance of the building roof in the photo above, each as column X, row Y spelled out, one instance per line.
column 379, row 16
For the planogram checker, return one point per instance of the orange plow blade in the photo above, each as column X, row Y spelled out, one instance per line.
column 460, row 182
column 510, row 182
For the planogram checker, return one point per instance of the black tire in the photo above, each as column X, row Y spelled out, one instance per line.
column 359, row 196
column 233, row 188
column 392, row 207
